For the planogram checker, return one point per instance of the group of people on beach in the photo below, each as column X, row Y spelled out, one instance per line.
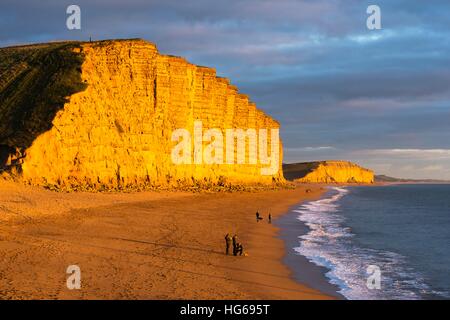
column 237, row 246
column 232, row 242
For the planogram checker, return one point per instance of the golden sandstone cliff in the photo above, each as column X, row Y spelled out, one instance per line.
column 328, row 172
column 114, row 126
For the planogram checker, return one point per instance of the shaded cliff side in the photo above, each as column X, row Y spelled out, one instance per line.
column 35, row 82
column 327, row 172
column 101, row 115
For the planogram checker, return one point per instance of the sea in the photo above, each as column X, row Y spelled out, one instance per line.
column 381, row 242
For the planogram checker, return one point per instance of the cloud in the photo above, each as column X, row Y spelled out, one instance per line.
column 434, row 168
column 310, row 149
column 407, row 163
column 435, row 154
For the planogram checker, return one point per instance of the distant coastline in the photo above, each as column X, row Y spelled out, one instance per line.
column 382, row 179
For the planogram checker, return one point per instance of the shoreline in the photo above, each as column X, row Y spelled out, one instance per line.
column 274, row 259
column 304, row 271
column 146, row 245
column 348, row 236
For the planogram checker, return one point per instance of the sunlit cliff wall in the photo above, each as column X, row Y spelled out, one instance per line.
column 328, row 172
column 117, row 132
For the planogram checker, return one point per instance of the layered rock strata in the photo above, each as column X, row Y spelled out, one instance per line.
column 117, row 131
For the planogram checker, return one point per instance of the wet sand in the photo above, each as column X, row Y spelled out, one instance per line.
column 147, row 245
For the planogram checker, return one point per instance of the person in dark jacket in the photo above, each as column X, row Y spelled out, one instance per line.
column 234, row 241
column 228, row 243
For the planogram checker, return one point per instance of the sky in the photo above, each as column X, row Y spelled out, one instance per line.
column 380, row 98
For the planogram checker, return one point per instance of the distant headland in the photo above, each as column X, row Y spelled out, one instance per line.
column 330, row 171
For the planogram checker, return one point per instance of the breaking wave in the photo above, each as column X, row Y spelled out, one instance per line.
column 330, row 244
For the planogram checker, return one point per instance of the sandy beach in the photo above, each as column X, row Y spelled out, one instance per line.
column 146, row 245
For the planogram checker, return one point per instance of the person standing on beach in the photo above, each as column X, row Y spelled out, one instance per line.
column 228, row 242
column 270, row 218
column 234, row 240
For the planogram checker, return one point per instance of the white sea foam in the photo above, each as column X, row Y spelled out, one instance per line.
column 329, row 244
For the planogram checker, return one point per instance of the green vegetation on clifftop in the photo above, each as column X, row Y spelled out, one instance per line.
column 35, row 82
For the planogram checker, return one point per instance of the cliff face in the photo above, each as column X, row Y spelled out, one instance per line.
column 328, row 172
column 117, row 132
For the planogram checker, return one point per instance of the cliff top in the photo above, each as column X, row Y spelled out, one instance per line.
column 65, row 42
column 297, row 170
column 35, row 81
column 324, row 162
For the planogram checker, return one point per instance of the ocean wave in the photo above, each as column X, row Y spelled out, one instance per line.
column 329, row 243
